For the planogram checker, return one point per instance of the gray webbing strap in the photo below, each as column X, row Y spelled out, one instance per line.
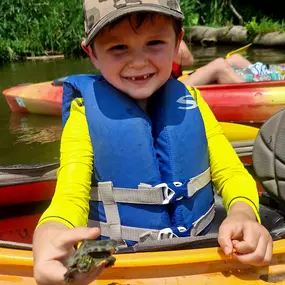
column 198, row 182
column 128, row 233
column 137, row 234
column 111, row 210
column 240, row 150
column 15, row 245
column 146, row 195
column 243, row 154
column 203, row 222
column 150, row 195
column 242, row 143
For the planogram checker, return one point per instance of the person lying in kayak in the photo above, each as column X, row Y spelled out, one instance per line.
column 139, row 151
column 235, row 69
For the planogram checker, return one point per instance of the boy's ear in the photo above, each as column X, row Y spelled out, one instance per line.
column 84, row 47
column 90, row 52
column 179, row 39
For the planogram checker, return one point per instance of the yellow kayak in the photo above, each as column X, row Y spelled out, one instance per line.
column 242, row 139
column 181, row 267
column 238, row 132
column 206, row 264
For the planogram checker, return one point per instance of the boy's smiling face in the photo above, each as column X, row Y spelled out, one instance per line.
column 136, row 61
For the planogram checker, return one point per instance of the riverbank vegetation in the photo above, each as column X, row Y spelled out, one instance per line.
column 36, row 28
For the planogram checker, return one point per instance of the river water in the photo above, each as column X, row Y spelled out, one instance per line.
column 29, row 138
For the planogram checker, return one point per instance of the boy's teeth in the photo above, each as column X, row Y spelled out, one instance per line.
column 139, row 77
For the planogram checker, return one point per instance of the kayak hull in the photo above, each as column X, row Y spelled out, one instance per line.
column 241, row 103
column 196, row 266
column 41, row 98
column 246, row 102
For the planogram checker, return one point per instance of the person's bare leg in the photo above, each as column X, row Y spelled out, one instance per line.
column 238, row 61
column 217, row 71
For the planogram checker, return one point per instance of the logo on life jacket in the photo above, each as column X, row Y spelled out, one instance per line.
column 188, row 101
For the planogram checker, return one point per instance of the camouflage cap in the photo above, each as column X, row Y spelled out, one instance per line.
column 99, row 13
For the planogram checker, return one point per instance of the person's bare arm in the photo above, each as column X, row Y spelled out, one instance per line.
column 184, row 57
column 217, row 71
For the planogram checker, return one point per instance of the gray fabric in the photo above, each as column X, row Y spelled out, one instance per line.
column 243, row 148
column 142, row 234
column 22, row 173
column 269, row 156
column 241, row 144
column 111, row 210
column 202, row 223
column 243, row 154
column 197, row 183
column 15, row 245
column 146, row 194
column 210, row 240
column 127, row 233
column 273, row 221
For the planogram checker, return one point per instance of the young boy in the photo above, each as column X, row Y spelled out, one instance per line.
column 119, row 128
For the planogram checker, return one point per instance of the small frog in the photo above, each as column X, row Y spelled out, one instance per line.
column 92, row 253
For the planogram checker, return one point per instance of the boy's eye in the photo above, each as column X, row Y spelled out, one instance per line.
column 155, row 42
column 118, row 47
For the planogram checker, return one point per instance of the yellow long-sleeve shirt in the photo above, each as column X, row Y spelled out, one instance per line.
column 70, row 204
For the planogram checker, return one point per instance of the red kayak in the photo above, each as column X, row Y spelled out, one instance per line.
column 25, row 191
column 241, row 103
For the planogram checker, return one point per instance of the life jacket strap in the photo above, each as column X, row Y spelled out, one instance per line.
column 141, row 235
column 198, row 182
column 146, row 194
column 111, row 210
column 200, row 224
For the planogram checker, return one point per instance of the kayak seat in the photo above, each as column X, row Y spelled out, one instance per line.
column 58, row 81
column 269, row 156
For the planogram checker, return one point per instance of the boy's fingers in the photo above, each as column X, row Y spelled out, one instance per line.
column 52, row 274
column 225, row 239
column 259, row 256
column 250, row 242
column 269, row 251
column 69, row 238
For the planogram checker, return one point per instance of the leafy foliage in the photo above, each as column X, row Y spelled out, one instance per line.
column 265, row 26
column 32, row 27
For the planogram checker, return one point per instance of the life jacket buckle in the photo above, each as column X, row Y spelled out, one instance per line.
column 168, row 193
column 166, row 233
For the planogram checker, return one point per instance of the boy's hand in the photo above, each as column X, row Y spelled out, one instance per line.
column 49, row 258
column 243, row 237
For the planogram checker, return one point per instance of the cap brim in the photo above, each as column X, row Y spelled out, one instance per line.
column 127, row 10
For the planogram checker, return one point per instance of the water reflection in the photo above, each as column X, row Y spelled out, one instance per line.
column 30, row 128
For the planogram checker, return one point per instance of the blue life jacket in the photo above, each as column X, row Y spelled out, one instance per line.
column 151, row 170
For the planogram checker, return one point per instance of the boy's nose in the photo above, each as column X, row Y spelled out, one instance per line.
column 138, row 60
